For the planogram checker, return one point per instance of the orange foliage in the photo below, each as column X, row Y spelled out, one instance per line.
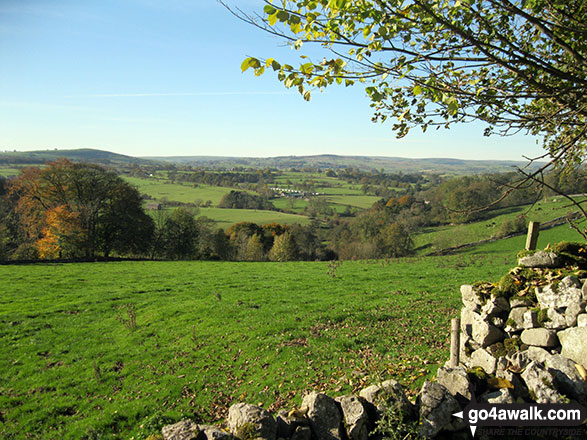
column 61, row 233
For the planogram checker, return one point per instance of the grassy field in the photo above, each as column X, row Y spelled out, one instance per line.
column 225, row 218
column 8, row 171
column 431, row 239
column 296, row 205
column 178, row 192
column 363, row 202
column 115, row 350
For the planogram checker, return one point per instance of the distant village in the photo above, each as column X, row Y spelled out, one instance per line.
column 293, row 193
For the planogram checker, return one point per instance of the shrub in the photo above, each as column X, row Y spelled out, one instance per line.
column 512, row 226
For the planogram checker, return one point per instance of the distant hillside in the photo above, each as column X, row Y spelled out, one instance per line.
column 325, row 161
column 78, row 155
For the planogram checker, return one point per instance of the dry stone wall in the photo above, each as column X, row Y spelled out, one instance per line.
column 523, row 339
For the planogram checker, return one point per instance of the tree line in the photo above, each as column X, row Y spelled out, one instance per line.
column 82, row 211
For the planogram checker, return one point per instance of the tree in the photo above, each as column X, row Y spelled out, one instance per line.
column 284, row 248
column 79, row 209
column 517, row 65
column 255, row 251
column 180, row 235
column 63, row 234
column 395, row 241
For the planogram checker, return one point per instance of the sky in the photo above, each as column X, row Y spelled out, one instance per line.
column 163, row 78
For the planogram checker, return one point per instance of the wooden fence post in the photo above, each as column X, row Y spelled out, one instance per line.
column 532, row 237
column 455, row 343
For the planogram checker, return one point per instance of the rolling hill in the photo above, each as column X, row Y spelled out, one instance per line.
column 323, row 162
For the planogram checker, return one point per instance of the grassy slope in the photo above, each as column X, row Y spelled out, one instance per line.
column 211, row 333
column 454, row 235
column 225, row 218
column 178, row 192
column 9, row 171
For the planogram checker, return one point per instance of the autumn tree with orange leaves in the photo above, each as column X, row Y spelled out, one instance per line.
column 72, row 210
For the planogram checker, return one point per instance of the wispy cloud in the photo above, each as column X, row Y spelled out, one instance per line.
column 178, row 94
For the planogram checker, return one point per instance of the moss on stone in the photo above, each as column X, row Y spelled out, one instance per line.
column 506, row 348
column 525, row 253
column 247, row 431
column 512, row 345
column 542, row 316
column 478, row 372
column 572, row 253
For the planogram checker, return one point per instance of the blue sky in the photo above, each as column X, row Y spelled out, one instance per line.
column 161, row 78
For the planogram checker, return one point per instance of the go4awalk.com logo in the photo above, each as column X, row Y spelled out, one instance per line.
column 523, row 415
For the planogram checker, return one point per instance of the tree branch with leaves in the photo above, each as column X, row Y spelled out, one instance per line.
column 517, row 65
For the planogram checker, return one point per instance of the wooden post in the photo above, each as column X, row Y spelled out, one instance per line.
column 455, row 343
column 532, row 238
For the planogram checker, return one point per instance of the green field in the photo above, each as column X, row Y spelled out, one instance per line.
column 291, row 204
column 209, row 334
column 363, row 202
column 431, row 239
column 10, row 171
column 178, row 192
column 224, row 218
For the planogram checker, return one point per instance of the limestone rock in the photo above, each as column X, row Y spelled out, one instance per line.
column 325, row 418
column 470, row 298
column 356, row 419
column 573, row 311
column 519, row 301
column 567, row 379
column 214, row 433
column 468, row 318
column 497, row 321
column 516, row 319
column 495, row 306
column 247, row 422
column 521, row 359
column 455, row 380
column 530, row 319
column 540, row 337
column 570, row 282
column 504, row 395
column 582, row 320
column 184, row 430
column 389, row 394
column 555, row 320
column 574, row 343
column 467, row 346
column 486, row 334
column 540, row 259
column 437, row 407
column 481, row 358
column 560, row 298
column 540, row 382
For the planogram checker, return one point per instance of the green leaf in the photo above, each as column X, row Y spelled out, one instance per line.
column 282, row 16
column 269, row 10
column 307, row 68
column 417, row 90
column 250, row 62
